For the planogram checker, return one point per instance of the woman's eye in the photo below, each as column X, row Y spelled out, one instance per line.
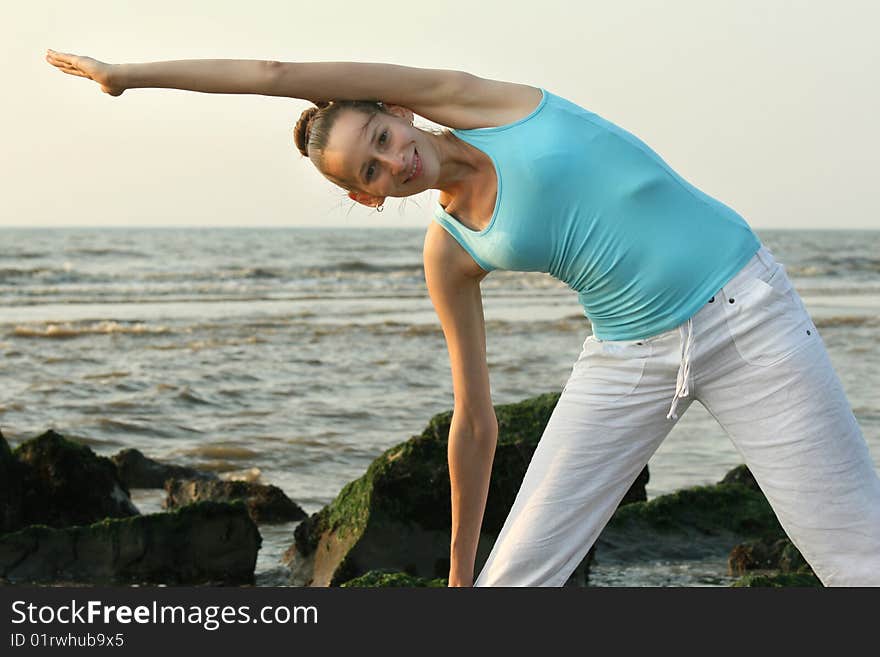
column 383, row 137
column 370, row 172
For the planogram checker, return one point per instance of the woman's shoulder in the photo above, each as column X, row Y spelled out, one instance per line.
column 443, row 252
column 484, row 103
column 503, row 103
column 526, row 107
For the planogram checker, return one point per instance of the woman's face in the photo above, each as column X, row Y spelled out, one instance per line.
column 379, row 155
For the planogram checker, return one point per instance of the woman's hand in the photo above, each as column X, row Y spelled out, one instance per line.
column 86, row 67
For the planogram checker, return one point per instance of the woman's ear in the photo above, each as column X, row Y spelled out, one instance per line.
column 366, row 199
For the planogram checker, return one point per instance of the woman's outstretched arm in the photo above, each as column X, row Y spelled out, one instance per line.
column 451, row 98
column 219, row 76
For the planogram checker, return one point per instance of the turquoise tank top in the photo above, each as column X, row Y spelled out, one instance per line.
column 592, row 205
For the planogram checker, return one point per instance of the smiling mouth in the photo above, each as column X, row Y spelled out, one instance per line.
column 416, row 168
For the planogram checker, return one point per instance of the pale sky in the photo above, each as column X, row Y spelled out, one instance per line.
column 770, row 106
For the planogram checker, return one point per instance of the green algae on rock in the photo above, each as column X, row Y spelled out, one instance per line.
column 65, row 483
column 777, row 580
column 691, row 523
column 10, row 489
column 383, row 579
column 711, row 509
column 779, row 554
column 202, row 543
column 397, row 515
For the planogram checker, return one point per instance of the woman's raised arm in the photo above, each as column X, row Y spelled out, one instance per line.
column 218, row 76
column 452, row 98
column 391, row 83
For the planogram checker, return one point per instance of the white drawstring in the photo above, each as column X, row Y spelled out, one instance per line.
column 684, row 368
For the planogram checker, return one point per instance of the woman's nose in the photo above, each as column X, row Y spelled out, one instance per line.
column 395, row 163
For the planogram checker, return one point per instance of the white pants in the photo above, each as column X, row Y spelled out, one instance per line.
column 754, row 359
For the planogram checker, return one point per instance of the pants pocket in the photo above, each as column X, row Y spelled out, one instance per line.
column 608, row 370
column 766, row 318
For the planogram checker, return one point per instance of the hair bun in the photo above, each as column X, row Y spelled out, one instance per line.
column 301, row 130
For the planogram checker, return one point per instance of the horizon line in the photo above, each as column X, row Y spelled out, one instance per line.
column 324, row 226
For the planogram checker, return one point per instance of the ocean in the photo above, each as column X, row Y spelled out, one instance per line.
column 295, row 356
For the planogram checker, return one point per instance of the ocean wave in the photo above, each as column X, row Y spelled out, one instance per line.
column 129, row 426
column 221, row 451
column 259, row 272
column 834, row 265
column 251, row 475
column 860, row 290
column 107, row 375
column 846, row 320
column 31, row 272
column 218, row 466
column 417, row 330
column 237, row 273
column 805, row 271
column 92, row 252
column 568, row 324
column 186, row 395
column 21, row 255
column 361, row 266
column 73, row 330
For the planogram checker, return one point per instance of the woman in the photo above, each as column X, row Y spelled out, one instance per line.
column 685, row 303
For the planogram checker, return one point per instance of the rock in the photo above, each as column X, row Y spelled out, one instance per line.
column 10, row 489
column 204, row 543
column 754, row 555
column 397, row 515
column 264, row 503
column 762, row 554
column 65, row 483
column 139, row 471
column 378, row 578
column 709, row 509
column 792, row 561
column 691, row 523
column 741, row 475
column 778, row 580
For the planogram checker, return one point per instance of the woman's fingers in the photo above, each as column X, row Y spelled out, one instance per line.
column 73, row 71
column 63, row 59
column 69, row 69
column 60, row 62
column 59, row 57
column 66, row 64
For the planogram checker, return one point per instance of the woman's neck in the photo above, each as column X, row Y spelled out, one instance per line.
column 462, row 167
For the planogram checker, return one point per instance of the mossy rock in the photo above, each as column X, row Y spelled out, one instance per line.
column 768, row 553
column 718, row 508
column 66, row 483
column 777, row 580
column 11, row 494
column 692, row 523
column 265, row 503
column 202, row 543
column 383, row 579
column 396, row 517
column 741, row 475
